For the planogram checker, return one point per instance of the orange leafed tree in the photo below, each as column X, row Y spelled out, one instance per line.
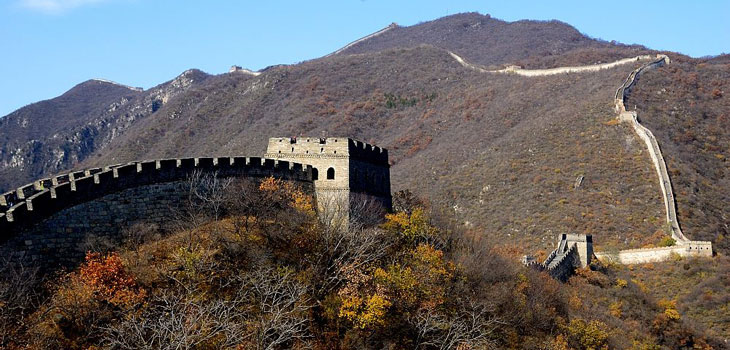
column 109, row 280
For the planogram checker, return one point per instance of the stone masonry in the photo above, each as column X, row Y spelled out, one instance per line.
column 52, row 220
column 346, row 172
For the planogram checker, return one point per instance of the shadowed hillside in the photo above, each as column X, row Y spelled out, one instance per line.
column 50, row 135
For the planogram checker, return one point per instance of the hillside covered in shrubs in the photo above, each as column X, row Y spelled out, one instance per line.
column 491, row 163
column 255, row 269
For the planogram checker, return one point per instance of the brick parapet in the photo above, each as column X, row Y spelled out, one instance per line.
column 30, row 204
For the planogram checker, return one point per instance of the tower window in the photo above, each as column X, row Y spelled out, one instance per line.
column 292, row 149
column 330, row 174
column 321, row 150
column 315, row 174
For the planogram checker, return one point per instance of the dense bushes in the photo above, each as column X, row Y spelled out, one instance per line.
column 255, row 269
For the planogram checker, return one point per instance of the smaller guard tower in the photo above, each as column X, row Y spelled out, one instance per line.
column 346, row 172
column 573, row 251
column 583, row 245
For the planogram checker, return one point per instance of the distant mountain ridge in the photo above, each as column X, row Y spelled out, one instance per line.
column 484, row 40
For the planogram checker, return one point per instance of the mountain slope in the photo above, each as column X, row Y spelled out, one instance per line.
column 501, row 152
column 488, row 41
column 686, row 105
column 50, row 136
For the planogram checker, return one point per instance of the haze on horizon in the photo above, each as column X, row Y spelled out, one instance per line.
column 52, row 45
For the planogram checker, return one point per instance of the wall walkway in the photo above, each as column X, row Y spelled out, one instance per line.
column 370, row 36
column 550, row 71
column 684, row 247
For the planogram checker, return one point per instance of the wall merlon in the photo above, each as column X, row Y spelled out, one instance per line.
column 104, row 177
column 239, row 162
column 205, row 162
column 57, row 180
column 281, row 164
column 17, row 212
column 166, row 164
column 84, row 184
column 125, row 170
column 186, row 163
column 225, row 162
column 41, row 203
column 25, row 191
column 89, row 172
column 61, row 191
column 254, row 161
column 76, row 175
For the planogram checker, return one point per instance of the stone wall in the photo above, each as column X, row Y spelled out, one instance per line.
column 369, row 36
column 63, row 238
column 652, row 146
column 684, row 245
column 552, row 71
column 647, row 255
column 51, row 219
column 358, row 168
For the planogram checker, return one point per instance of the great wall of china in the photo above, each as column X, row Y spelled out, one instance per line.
column 49, row 220
column 369, row 36
column 128, row 189
column 684, row 246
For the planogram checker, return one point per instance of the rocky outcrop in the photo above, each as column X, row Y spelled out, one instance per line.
column 55, row 135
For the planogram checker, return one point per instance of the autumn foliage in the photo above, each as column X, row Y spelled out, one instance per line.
column 106, row 277
column 266, row 274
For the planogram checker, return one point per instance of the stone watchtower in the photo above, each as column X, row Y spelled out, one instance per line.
column 348, row 175
column 583, row 245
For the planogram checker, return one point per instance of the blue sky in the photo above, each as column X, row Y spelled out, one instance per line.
column 48, row 46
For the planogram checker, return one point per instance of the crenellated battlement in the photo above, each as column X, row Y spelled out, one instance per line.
column 342, row 167
column 368, row 153
column 573, row 251
column 51, row 219
column 330, row 147
column 34, row 202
